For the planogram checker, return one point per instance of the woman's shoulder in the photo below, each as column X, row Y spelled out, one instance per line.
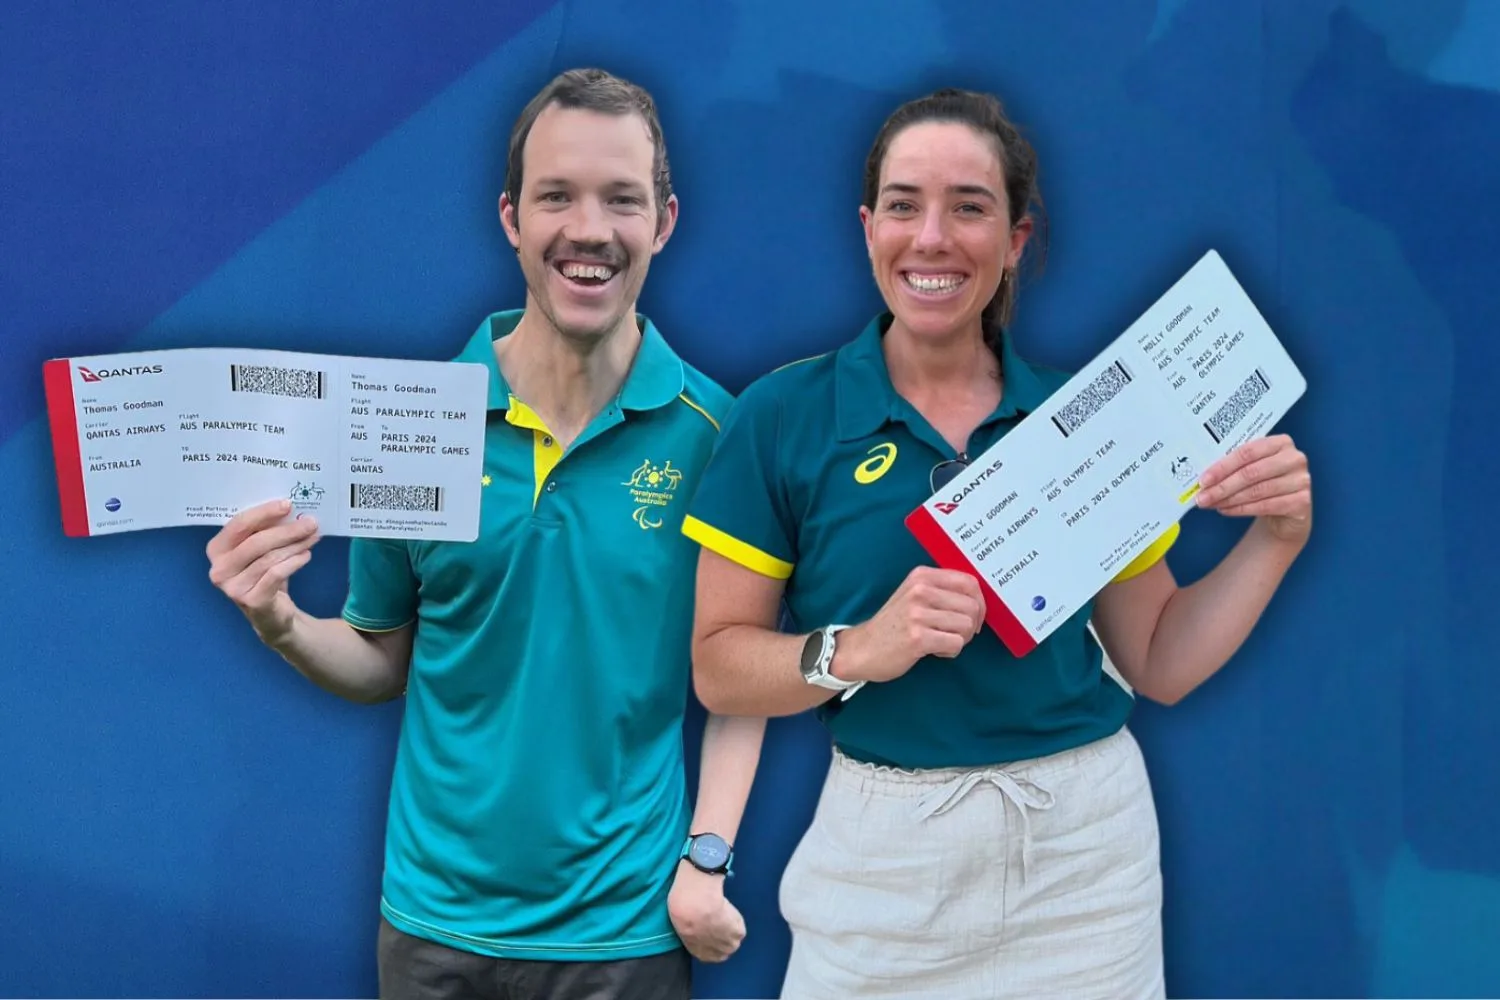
column 791, row 386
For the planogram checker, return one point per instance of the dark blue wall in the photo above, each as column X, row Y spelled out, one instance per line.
column 181, row 814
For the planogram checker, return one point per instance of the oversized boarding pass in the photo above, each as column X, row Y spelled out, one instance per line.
column 1061, row 504
column 371, row 447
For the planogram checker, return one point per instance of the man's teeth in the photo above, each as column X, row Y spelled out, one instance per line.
column 598, row 271
column 934, row 282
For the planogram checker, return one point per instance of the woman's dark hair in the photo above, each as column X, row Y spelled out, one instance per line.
column 985, row 115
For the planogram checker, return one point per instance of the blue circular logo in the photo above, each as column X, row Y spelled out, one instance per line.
column 1038, row 602
column 112, row 504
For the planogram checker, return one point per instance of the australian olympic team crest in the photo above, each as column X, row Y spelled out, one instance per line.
column 652, row 487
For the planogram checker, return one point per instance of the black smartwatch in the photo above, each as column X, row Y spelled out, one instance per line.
column 709, row 853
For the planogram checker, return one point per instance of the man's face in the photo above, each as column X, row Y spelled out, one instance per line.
column 586, row 223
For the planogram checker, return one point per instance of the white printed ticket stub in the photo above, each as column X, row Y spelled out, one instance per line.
column 1063, row 502
column 371, row 447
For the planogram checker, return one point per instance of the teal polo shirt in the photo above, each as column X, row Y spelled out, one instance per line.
column 538, row 802
column 817, row 466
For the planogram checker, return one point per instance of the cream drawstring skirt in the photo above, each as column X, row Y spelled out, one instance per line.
column 1036, row 879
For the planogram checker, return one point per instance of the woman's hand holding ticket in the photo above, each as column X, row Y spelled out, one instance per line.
column 1267, row 479
column 935, row 612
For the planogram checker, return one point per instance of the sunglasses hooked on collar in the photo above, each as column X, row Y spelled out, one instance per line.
column 946, row 471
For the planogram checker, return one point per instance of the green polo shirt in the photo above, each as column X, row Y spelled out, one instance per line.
column 817, row 467
column 538, row 804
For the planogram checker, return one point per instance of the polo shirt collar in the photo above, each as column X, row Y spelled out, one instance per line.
column 655, row 379
column 866, row 399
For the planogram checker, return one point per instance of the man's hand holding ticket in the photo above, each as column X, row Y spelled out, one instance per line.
column 1062, row 504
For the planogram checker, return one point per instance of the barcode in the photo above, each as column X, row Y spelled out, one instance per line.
column 380, row 496
column 1237, row 405
column 1105, row 386
column 297, row 382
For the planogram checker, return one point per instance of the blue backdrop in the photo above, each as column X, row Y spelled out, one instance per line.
column 183, row 815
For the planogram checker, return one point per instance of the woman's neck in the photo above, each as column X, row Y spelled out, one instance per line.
column 954, row 382
column 935, row 367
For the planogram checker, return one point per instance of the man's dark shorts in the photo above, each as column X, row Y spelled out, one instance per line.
column 412, row 968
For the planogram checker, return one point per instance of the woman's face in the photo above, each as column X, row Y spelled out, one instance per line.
column 939, row 233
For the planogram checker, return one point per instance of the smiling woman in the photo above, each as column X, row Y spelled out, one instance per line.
column 987, row 827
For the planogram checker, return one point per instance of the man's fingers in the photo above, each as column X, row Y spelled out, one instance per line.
column 246, row 523
column 254, row 548
column 273, row 570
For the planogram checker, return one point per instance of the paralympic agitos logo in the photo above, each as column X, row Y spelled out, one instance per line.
column 89, row 375
column 975, row 480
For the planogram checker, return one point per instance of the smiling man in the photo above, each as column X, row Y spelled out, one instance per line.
column 538, row 840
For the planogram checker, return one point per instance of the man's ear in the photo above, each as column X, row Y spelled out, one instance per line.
column 666, row 224
column 509, row 223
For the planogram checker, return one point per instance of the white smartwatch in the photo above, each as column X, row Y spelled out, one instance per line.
column 817, row 657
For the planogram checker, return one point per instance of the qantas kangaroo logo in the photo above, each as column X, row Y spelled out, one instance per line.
column 89, row 375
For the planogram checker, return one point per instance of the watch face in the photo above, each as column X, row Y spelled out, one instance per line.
column 812, row 651
column 709, row 851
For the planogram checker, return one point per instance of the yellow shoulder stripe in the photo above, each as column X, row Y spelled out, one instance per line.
column 734, row 550
column 799, row 361
column 706, row 415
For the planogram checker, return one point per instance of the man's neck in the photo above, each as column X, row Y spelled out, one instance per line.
column 566, row 382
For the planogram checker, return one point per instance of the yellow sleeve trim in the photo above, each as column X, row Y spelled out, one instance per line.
column 1151, row 556
column 733, row 549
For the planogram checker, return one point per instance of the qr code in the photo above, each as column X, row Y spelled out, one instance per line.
column 1105, row 386
column 1237, row 405
column 297, row 382
column 380, row 496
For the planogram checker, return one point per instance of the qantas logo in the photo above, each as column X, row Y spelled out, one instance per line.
column 89, row 375
column 950, row 505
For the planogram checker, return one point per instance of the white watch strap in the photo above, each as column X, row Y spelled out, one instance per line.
column 824, row 679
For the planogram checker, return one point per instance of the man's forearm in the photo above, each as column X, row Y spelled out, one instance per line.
column 364, row 667
column 1201, row 626
column 753, row 671
column 726, row 772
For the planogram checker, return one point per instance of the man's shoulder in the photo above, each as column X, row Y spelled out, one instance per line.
column 701, row 393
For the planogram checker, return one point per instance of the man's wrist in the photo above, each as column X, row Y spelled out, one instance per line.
column 283, row 640
column 684, row 867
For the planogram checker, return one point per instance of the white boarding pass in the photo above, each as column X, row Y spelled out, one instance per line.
column 372, row 447
column 1056, row 508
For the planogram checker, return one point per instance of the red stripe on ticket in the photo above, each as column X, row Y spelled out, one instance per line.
column 57, row 379
column 931, row 536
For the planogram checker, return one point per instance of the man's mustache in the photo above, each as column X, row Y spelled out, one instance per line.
column 608, row 254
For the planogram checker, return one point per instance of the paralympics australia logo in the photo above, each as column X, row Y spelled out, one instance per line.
column 305, row 495
column 652, row 488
